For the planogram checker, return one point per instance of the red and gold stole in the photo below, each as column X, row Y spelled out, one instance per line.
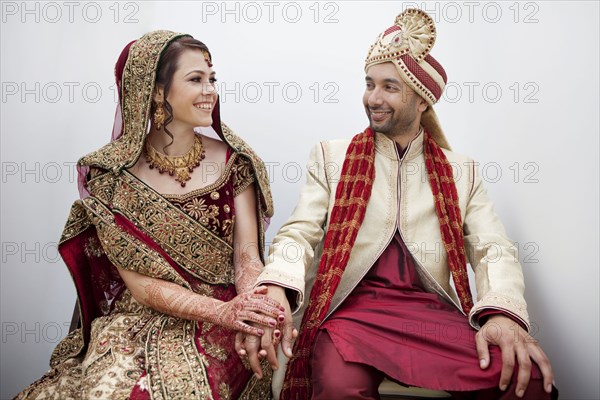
column 447, row 209
column 351, row 198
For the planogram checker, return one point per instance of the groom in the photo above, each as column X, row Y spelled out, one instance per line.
column 375, row 301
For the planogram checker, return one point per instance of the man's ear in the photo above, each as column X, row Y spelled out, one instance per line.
column 159, row 94
column 422, row 104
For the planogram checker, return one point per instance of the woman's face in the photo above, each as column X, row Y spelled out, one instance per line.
column 193, row 94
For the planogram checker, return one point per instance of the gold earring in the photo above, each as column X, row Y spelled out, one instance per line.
column 159, row 115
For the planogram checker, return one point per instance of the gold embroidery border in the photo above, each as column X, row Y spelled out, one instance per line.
column 259, row 388
column 126, row 251
column 168, row 211
column 104, row 188
column 147, row 192
column 77, row 222
column 245, row 183
column 170, row 342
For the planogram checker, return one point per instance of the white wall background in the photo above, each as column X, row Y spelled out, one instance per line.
column 523, row 101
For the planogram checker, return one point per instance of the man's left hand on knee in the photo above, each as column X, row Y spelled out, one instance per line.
column 515, row 343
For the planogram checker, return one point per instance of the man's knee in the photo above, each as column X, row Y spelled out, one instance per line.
column 345, row 385
column 334, row 378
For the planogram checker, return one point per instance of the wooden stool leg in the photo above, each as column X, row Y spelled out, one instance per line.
column 389, row 390
column 75, row 319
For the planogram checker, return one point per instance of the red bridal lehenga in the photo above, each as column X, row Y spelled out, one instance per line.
column 124, row 349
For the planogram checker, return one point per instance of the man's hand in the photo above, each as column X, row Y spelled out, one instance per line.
column 249, row 346
column 286, row 327
column 256, row 348
column 514, row 342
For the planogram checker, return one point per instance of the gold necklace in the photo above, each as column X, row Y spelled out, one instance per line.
column 179, row 166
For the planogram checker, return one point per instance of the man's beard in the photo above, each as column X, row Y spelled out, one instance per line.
column 393, row 125
column 387, row 127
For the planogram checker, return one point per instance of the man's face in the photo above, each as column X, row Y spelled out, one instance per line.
column 392, row 107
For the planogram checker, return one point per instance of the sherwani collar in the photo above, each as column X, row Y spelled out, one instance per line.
column 387, row 146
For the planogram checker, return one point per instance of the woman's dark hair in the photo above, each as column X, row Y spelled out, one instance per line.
column 167, row 65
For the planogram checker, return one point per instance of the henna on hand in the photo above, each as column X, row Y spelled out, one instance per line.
column 247, row 270
column 251, row 307
column 244, row 309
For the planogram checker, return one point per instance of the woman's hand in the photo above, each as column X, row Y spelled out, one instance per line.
column 252, row 307
column 169, row 298
column 257, row 348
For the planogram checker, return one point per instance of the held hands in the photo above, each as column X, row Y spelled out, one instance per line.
column 515, row 343
column 250, row 312
column 256, row 348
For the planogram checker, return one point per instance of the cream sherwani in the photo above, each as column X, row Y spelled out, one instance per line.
column 401, row 200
